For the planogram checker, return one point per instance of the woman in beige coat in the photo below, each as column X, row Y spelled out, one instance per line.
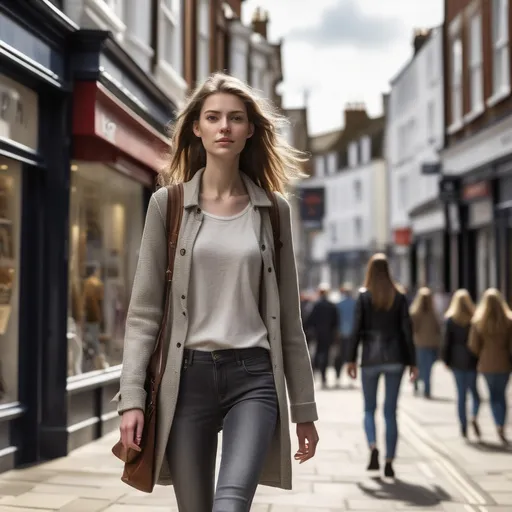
column 490, row 339
column 235, row 340
column 427, row 335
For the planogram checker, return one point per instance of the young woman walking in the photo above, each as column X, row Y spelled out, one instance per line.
column 457, row 356
column 383, row 327
column 426, row 334
column 490, row 339
column 236, row 340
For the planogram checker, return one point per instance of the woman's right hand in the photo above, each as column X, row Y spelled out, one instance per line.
column 132, row 424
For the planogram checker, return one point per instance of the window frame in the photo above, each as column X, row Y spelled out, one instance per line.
column 475, row 61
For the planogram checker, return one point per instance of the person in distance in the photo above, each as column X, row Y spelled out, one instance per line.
column 382, row 326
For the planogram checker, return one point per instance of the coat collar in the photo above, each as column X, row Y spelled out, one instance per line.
column 257, row 195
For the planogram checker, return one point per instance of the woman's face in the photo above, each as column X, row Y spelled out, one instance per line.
column 223, row 125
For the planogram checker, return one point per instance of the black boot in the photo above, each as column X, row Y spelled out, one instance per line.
column 373, row 465
column 388, row 470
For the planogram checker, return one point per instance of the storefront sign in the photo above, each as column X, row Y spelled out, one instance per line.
column 19, row 113
column 402, row 236
column 312, row 204
column 107, row 130
column 478, row 190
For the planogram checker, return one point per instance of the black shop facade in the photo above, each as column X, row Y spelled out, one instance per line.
column 82, row 137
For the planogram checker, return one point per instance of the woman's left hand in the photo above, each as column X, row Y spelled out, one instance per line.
column 308, row 439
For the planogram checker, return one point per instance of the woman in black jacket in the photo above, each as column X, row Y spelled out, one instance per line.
column 383, row 327
column 457, row 356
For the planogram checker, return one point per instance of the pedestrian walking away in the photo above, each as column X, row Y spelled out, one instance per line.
column 490, row 339
column 234, row 340
column 382, row 326
column 346, row 310
column 426, row 335
column 457, row 356
column 323, row 322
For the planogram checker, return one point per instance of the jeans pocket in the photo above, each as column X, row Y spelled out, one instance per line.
column 258, row 365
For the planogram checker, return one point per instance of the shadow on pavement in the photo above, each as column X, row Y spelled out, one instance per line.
column 411, row 494
column 484, row 446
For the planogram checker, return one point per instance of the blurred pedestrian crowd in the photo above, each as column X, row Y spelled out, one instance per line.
column 414, row 331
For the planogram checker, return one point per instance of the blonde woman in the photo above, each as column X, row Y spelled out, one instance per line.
column 427, row 335
column 237, row 341
column 490, row 339
column 457, row 356
column 383, row 327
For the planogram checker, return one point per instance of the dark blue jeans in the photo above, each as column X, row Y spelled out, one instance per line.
column 497, row 384
column 370, row 376
column 232, row 391
column 465, row 380
column 426, row 359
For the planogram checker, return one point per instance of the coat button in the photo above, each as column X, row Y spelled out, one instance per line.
column 183, row 252
column 183, row 297
column 178, row 345
column 263, row 247
column 184, row 313
column 198, row 210
column 270, row 269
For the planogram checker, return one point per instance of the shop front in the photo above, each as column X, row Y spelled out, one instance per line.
column 34, row 158
column 503, row 222
column 119, row 146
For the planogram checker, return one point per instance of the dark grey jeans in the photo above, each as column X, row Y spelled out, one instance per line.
column 232, row 391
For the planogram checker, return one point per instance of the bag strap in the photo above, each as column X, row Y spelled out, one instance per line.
column 275, row 221
column 173, row 223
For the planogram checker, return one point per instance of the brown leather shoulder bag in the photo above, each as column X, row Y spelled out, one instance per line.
column 139, row 467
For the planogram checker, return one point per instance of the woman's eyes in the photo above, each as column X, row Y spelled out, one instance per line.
column 212, row 118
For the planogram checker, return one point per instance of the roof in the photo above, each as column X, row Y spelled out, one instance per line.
column 325, row 141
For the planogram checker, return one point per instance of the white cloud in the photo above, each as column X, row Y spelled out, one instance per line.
column 343, row 71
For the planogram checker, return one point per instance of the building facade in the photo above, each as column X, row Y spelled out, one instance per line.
column 477, row 159
column 414, row 137
column 344, row 212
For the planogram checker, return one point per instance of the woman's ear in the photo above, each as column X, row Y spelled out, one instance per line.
column 195, row 128
column 251, row 130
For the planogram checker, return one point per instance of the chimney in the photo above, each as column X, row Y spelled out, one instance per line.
column 420, row 37
column 260, row 21
column 355, row 116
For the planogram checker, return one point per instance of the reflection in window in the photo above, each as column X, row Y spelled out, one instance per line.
column 10, row 220
column 106, row 217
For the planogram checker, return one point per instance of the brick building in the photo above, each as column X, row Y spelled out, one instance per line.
column 477, row 158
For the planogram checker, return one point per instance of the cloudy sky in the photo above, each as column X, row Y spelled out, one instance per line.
column 343, row 50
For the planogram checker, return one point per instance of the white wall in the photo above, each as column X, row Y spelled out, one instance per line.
column 350, row 220
column 415, row 128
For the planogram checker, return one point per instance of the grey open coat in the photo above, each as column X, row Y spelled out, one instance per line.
column 280, row 311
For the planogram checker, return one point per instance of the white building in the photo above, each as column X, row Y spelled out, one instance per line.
column 133, row 26
column 356, row 212
column 350, row 167
column 414, row 137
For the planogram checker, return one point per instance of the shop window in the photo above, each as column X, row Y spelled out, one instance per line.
column 10, row 219
column 106, row 222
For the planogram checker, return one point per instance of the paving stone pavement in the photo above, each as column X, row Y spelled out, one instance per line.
column 436, row 470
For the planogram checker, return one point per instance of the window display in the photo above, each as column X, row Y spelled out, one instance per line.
column 10, row 218
column 106, row 222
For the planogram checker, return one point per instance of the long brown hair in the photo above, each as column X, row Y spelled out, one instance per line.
column 379, row 283
column 461, row 308
column 267, row 158
column 492, row 315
